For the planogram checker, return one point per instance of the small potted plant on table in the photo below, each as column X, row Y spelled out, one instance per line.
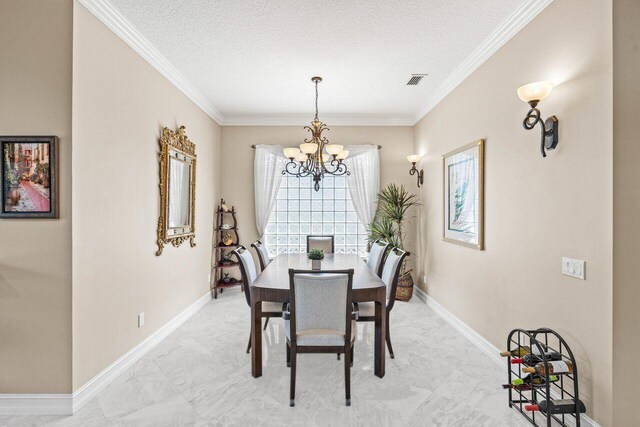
column 316, row 256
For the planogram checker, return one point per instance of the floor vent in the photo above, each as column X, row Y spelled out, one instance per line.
column 415, row 79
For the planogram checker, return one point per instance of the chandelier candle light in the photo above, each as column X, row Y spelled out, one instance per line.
column 316, row 157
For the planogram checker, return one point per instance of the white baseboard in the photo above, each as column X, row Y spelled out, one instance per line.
column 36, row 404
column 67, row 404
column 478, row 340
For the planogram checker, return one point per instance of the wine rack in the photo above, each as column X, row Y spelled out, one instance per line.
column 541, row 342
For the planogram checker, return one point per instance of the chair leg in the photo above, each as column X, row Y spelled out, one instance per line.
column 338, row 356
column 288, row 355
column 266, row 322
column 347, row 377
column 351, row 355
column 389, row 340
column 249, row 345
column 292, row 393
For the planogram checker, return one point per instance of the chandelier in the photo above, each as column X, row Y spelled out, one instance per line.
column 316, row 157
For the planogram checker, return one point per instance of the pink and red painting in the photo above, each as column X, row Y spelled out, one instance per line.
column 29, row 177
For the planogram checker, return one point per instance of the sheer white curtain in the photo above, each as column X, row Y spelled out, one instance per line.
column 268, row 164
column 364, row 181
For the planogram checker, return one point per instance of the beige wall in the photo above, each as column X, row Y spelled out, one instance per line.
column 626, row 209
column 537, row 210
column 35, row 254
column 120, row 104
column 237, row 164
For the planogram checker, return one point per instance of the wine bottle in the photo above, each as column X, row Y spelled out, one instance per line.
column 521, row 351
column 532, row 359
column 527, row 382
column 564, row 406
column 557, row 367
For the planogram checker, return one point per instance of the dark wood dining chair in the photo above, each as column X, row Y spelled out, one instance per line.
column 390, row 276
column 320, row 319
column 377, row 255
column 326, row 243
column 263, row 254
column 249, row 274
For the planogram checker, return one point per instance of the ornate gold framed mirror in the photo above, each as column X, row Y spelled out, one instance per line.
column 176, row 222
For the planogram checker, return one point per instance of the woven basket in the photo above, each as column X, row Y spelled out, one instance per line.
column 404, row 291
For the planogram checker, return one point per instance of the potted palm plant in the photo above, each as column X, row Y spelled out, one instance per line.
column 388, row 225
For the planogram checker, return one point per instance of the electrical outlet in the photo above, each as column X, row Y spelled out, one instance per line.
column 141, row 320
column 573, row 268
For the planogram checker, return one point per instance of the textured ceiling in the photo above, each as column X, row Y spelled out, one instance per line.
column 253, row 60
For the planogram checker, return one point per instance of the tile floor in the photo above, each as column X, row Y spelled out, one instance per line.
column 200, row 376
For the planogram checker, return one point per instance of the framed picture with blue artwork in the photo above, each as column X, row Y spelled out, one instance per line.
column 463, row 185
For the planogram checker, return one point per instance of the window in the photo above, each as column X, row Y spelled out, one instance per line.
column 302, row 211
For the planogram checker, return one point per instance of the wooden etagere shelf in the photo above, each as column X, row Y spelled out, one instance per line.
column 222, row 262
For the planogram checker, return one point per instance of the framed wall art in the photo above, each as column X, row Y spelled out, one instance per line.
column 29, row 173
column 463, row 190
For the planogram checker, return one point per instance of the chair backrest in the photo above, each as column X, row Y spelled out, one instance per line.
column 376, row 256
column 247, row 270
column 263, row 254
column 320, row 242
column 320, row 301
column 391, row 273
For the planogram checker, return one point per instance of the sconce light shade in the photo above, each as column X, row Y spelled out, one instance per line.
column 414, row 158
column 536, row 91
column 291, row 153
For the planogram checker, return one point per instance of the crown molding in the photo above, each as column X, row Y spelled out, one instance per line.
column 115, row 21
column 510, row 27
column 120, row 25
column 303, row 120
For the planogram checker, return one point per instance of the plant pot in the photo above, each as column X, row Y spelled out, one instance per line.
column 404, row 291
column 316, row 264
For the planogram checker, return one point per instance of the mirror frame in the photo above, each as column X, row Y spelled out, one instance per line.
column 175, row 141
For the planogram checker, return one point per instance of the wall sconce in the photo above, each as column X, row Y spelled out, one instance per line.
column 415, row 158
column 532, row 94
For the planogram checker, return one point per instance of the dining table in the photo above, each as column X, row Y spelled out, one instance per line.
column 272, row 285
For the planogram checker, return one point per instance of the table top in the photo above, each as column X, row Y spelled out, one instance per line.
column 276, row 275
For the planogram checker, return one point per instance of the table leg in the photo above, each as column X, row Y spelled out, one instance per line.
column 380, row 330
column 256, row 338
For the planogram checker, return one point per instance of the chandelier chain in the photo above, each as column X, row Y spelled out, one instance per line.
column 316, row 100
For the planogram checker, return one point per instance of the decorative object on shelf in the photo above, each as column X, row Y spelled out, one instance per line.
column 463, row 193
column 534, row 388
column 388, row 225
column 316, row 256
column 177, row 220
column 413, row 159
column 316, row 157
column 226, row 238
column 29, row 174
column 532, row 94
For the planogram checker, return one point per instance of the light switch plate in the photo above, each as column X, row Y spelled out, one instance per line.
column 573, row 268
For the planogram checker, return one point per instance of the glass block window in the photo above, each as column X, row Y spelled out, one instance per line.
column 302, row 211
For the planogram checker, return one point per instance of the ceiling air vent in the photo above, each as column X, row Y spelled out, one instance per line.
column 415, row 79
